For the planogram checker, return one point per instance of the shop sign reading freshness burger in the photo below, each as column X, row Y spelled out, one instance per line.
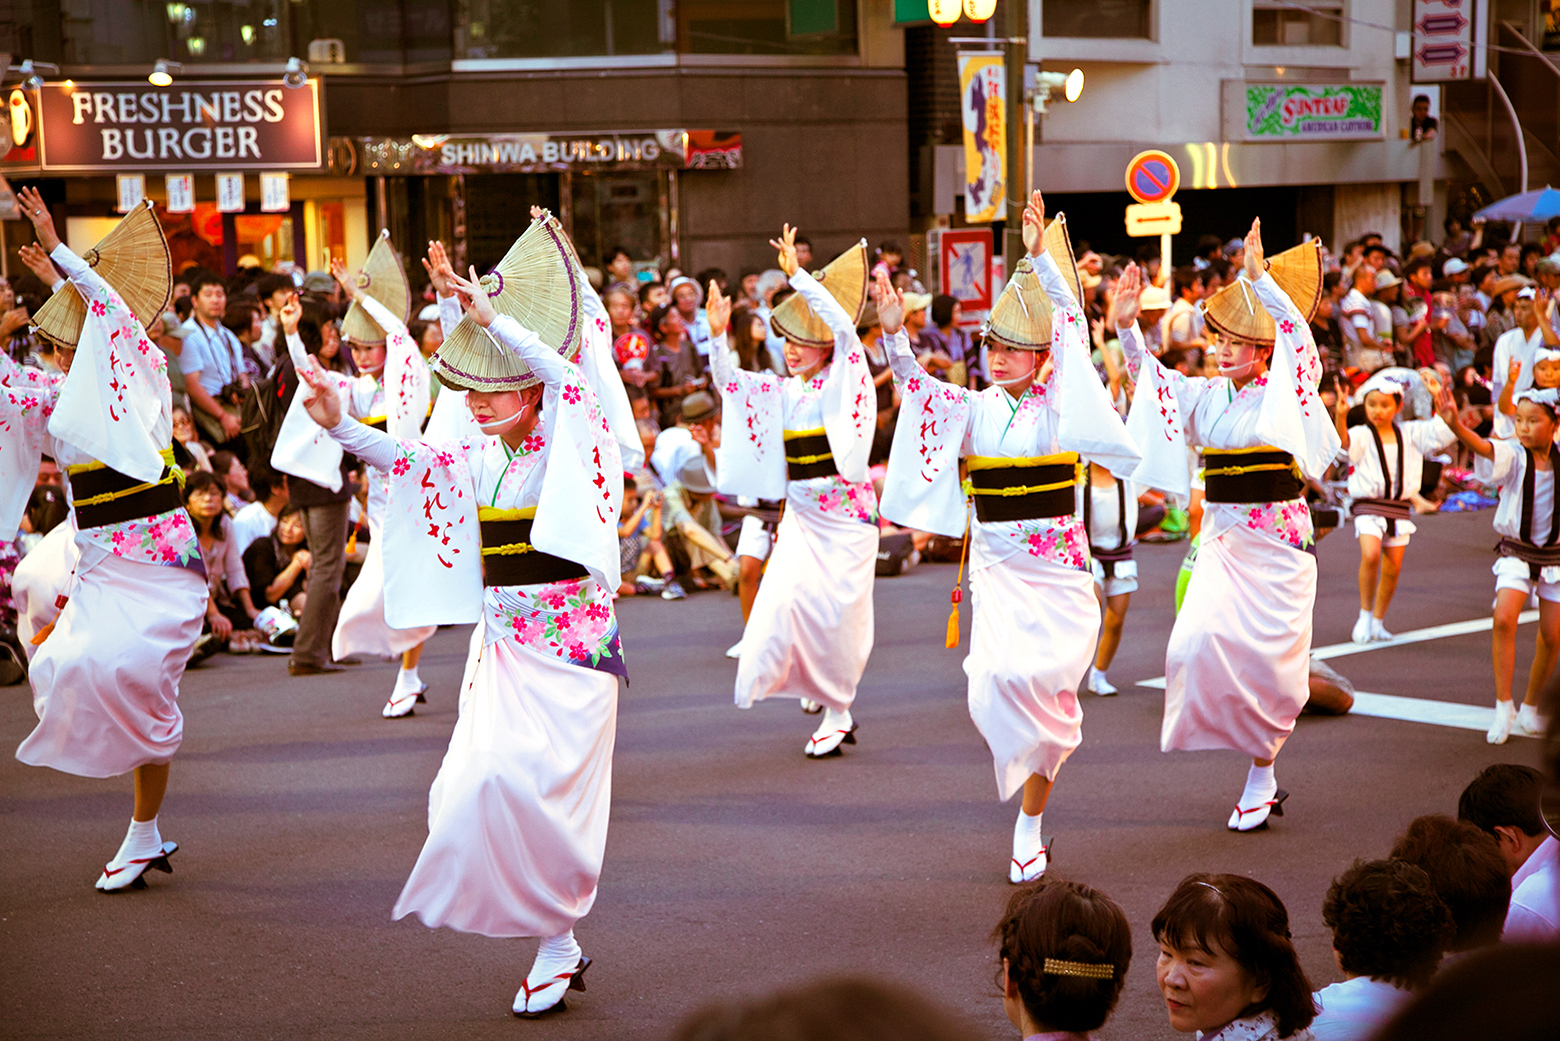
column 193, row 125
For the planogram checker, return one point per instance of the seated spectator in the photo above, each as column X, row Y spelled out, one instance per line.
column 230, row 612
column 1227, row 964
column 652, row 295
column 258, row 519
column 828, row 1010
column 277, row 564
column 235, row 478
column 620, row 302
column 694, row 435
column 1389, row 931
column 640, row 547
column 1503, row 800
column 1064, row 950
column 692, row 518
column 184, row 434
column 1467, row 872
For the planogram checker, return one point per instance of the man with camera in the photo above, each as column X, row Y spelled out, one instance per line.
column 213, row 364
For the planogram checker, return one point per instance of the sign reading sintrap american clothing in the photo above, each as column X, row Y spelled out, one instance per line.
column 193, row 124
column 544, row 153
column 1312, row 112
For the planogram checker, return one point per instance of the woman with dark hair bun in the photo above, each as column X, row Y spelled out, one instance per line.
column 1064, row 949
column 1227, row 965
column 1389, row 931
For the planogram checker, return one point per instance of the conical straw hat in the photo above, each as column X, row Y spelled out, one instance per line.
column 133, row 258
column 534, row 285
column 1021, row 318
column 384, row 279
column 1057, row 243
column 846, row 280
column 1235, row 310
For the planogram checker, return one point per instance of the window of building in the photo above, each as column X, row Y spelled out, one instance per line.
column 563, row 28
column 1097, row 19
column 1319, row 25
column 766, row 26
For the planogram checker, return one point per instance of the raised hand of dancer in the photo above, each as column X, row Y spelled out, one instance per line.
column 718, row 307
column 31, row 205
column 1129, row 290
column 890, row 305
column 1034, row 223
column 537, row 213
column 322, row 405
column 474, row 299
column 1254, row 260
column 338, row 271
column 786, row 246
column 292, row 311
column 439, row 269
column 38, row 263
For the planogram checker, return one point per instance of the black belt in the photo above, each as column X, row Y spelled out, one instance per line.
column 509, row 559
column 119, row 503
column 1108, row 558
column 1392, row 514
column 1265, row 476
column 1392, row 509
column 1536, row 557
column 1000, row 493
column 808, row 456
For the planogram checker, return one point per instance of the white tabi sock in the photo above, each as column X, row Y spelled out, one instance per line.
column 1261, row 786
column 142, row 840
column 556, row 954
column 408, row 680
column 834, row 721
column 1361, row 632
column 1026, row 836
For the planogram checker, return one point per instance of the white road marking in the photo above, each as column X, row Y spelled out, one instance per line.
column 1434, row 632
column 1423, row 710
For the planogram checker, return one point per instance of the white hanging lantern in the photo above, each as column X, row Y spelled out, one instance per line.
column 943, row 12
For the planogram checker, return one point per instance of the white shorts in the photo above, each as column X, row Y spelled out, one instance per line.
column 1515, row 573
column 1370, row 524
column 754, row 540
column 1124, row 581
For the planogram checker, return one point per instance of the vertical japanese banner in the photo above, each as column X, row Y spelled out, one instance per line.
column 181, row 193
column 983, row 105
column 132, row 189
column 273, row 193
column 230, row 193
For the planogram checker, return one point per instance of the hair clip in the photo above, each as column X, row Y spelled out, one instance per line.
column 1058, row 967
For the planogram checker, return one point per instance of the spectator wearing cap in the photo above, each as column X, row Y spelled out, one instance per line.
column 1389, row 931
column 1456, row 271
column 692, row 437
column 1154, row 302
column 916, row 303
column 1382, row 301
column 688, row 298
column 1469, row 875
column 1547, row 273
column 1504, row 801
column 945, row 348
column 1235, row 252
column 772, row 288
column 692, row 518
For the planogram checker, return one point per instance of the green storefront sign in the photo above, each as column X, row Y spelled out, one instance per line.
column 1313, row 112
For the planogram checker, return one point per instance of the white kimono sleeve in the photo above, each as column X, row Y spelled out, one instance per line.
column 451, row 419
column 118, row 387
column 602, row 374
column 848, row 398
column 750, row 460
column 406, row 374
column 302, row 449
column 1087, row 422
column 922, row 489
column 1293, row 416
column 576, row 517
column 1154, row 421
column 26, row 402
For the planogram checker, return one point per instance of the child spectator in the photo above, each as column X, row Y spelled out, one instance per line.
column 639, row 544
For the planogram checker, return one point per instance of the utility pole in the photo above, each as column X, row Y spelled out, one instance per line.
column 1017, row 56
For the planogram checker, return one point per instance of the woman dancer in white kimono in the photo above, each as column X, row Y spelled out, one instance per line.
column 1237, row 665
column 391, row 392
column 106, row 677
column 805, row 439
column 517, row 530
column 1036, row 618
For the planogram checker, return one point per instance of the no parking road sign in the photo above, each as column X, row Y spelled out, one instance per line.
column 1152, row 176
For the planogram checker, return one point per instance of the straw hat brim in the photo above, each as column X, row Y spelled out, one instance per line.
column 1022, row 316
column 535, row 285
column 133, row 258
column 1235, row 311
column 384, row 279
column 1059, row 244
column 845, row 277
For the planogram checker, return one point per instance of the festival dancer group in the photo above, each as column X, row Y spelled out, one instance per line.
column 505, row 515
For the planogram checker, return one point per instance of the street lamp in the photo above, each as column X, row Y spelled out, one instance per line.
column 1070, row 84
column 297, row 74
column 162, row 73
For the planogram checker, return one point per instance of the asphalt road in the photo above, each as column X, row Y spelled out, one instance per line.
column 734, row 865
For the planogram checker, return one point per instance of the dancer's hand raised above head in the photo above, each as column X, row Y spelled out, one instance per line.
column 718, row 309
column 474, row 299
column 439, row 269
column 33, row 208
column 1034, row 223
column 1129, row 291
column 786, row 245
column 292, row 311
column 322, row 405
column 1254, row 264
column 344, row 279
column 890, row 305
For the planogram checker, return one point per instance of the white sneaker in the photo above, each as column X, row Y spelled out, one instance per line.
column 836, row 729
column 126, row 874
column 1099, row 684
column 1378, row 632
column 1528, row 721
column 1505, row 716
column 735, row 650
column 543, row 990
column 1362, row 628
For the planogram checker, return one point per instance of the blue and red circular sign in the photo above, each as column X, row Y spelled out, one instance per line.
column 1152, row 176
